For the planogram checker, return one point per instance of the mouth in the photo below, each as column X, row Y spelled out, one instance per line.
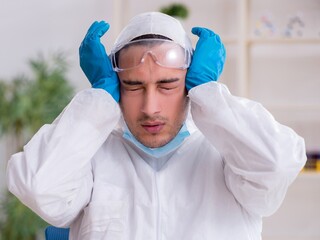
column 153, row 127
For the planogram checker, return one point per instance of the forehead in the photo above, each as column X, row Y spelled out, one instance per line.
column 149, row 44
column 152, row 73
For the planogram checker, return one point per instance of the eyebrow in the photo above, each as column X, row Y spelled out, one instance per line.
column 132, row 82
column 170, row 80
column 137, row 82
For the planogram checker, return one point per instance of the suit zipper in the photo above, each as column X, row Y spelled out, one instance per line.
column 158, row 208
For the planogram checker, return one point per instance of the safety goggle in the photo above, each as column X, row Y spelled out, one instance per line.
column 165, row 53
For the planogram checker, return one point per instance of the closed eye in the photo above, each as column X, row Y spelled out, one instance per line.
column 133, row 88
column 167, row 88
column 169, row 85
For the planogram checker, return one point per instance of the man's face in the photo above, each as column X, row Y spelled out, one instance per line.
column 153, row 101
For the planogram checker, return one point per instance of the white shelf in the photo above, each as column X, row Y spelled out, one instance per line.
column 230, row 40
column 309, row 107
column 284, row 41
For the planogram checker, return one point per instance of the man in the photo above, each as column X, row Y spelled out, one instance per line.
column 128, row 160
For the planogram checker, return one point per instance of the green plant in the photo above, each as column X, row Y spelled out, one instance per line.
column 25, row 105
column 176, row 10
column 28, row 103
column 21, row 222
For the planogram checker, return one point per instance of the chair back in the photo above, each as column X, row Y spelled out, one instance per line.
column 54, row 233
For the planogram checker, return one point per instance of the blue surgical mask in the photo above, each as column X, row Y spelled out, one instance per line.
column 161, row 151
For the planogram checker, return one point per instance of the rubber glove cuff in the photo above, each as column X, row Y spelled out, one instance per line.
column 112, row 87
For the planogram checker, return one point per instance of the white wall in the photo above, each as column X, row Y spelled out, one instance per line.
column 298, row 218
column 35, row 26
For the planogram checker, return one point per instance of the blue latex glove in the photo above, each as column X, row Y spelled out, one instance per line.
column 208, row 58
column 95, row 62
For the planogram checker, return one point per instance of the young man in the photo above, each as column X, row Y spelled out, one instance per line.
column 128, row 160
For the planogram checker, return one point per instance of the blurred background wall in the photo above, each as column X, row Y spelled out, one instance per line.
column 273, row 56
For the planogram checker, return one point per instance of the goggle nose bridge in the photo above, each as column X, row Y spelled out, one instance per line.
column 153, row 56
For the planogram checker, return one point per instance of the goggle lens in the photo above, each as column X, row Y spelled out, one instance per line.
column 163, row 52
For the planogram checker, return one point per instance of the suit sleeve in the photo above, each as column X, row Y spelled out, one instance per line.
column 53, row 174
column 261, row 156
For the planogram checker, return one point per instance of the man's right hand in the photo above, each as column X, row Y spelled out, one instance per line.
column 95, row 62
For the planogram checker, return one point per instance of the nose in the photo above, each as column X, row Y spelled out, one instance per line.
column 151, row 102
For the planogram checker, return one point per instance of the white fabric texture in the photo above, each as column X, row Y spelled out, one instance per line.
column 153, row 23
column 235, row 169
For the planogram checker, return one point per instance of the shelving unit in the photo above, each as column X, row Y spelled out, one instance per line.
column 255, row 56
column 299, row 108
column 245, row 40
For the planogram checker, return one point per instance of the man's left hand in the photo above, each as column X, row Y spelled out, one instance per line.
column 208, row 58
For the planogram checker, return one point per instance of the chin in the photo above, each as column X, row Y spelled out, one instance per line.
column 154, row 142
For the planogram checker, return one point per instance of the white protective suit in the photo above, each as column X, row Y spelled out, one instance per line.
column 79, row 171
